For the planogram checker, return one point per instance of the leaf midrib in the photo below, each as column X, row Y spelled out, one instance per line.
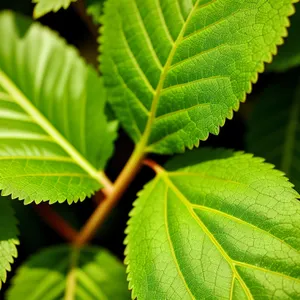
column 238, row 220
column 230, row 262
column 40, row 119
column 159, row 89
column 71, row 276
column 171, row 244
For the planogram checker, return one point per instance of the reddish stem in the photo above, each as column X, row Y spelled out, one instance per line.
column 99, row 197
column 153, row 165
column 55, row 221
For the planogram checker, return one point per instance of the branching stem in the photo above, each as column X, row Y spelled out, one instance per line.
column 153, row 165
column 105, row 207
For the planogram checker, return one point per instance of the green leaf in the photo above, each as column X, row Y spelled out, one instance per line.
column 95, row 9
column 55, row 139
column 216, row 225
column 45, row 6
column 64, row 273
column 289, row 54
column 274, row 126
column 8, row 238
column 176, row 69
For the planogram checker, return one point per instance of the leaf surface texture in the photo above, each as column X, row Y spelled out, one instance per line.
column 176, row 69
column 54, row 135
column 216, row 225
column 63, row 273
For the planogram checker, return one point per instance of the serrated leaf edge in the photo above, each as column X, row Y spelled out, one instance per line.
column 6, row 191
column 14, row 255
column 260, row 69
column 265, row 165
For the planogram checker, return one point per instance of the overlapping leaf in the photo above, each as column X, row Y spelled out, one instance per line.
column 63, row 273
column 45, row 6
column 53, row 131
column 8, row 238
column 289, row 54
column 216, row 225
column 176, row 70
column 274, row 127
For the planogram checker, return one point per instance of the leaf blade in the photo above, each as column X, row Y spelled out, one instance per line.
column 161, row 52
column 43, row 7
column 8, row 238
column 50, row 109
column 288, row 54
column 95, row 273
column 200, row 230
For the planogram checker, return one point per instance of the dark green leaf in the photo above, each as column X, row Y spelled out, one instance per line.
column 65, row 273
column 95, row 9
column 274, row 127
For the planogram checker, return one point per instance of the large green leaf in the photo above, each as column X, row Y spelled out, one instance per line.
column 64, row 273
column 45, row 6
column 274, row 127
column 176, row 69
column 289, row 54
column 216, row 225
column 54, row 135
column 8, row 238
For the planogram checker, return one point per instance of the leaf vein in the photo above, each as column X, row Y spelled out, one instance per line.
column 171, row 245
column 182, row 110
column 209, row 234
column 238, row 220
column 164, row 22
column 147, row 36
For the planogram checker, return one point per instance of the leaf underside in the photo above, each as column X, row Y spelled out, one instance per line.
column 8, row 238
column 274, row 127
column 289, row 53
column 175, row 70
column 225, row 227
column 94, row 274
column 45, row 6
column 53, row 130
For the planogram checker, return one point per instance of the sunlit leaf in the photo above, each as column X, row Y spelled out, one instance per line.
column 215, row 225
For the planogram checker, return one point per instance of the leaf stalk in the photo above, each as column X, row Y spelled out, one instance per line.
column 127, row 175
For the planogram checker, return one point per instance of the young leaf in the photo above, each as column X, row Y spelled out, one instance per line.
column 289, row 54
column 175, row 70
column 216, row 225
column 274, row 126
column 53, row 131
column 64, row 273
column 45, row 6
column 8, row 238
